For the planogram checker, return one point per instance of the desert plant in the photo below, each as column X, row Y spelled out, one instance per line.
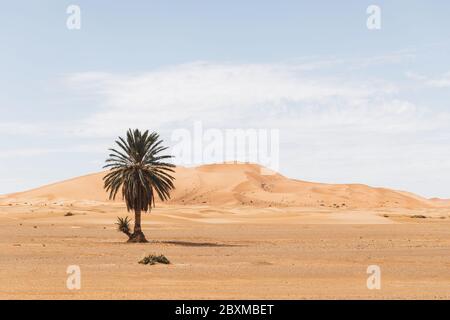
column 152, row 259
column 418, row 216
column 123, row 225
column 140, row 172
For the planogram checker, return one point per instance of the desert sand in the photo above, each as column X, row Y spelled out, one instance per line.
column 231, row 232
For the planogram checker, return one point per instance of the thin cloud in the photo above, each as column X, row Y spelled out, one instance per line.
column 219, row 93
column 442, row 81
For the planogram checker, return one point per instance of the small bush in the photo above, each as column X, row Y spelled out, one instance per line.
column 418, row 216
column 152, row 259
column 69, row 214
column 123, row 225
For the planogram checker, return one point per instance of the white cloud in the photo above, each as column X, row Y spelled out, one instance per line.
column 220, row 93
column 20, row 128
column 442, row 81
column 32, row 151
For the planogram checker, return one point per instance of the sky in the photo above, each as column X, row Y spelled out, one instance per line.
column 351, row 104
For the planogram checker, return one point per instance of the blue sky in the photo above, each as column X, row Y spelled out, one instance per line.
column 351, row 104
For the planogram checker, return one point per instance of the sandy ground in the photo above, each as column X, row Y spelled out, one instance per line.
column 224, row 253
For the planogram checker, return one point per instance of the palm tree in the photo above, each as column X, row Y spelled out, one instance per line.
column 139, row 171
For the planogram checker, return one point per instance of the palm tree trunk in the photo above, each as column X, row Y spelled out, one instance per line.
column 137, row 220
column 138, row 235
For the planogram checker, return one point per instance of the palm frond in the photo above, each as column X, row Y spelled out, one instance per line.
column 139, row 171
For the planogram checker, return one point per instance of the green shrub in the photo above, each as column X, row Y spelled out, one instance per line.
column 123, row 225
column 418, row 216
column 152, row 259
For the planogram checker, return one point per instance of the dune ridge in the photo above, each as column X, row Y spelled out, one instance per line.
column 236, row 185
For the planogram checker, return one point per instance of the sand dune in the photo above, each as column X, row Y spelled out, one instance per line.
column 238, row 184
column 230, row 233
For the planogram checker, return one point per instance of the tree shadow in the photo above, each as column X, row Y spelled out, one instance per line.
column 198, row 244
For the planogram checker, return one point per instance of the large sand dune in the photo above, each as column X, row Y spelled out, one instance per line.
column 237, row 185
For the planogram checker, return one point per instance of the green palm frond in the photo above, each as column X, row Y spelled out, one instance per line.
column 123, row 225
column 139, row 171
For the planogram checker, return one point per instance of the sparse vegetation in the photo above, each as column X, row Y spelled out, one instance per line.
column 123, row 225
column 152, row 259
column 418, row 216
